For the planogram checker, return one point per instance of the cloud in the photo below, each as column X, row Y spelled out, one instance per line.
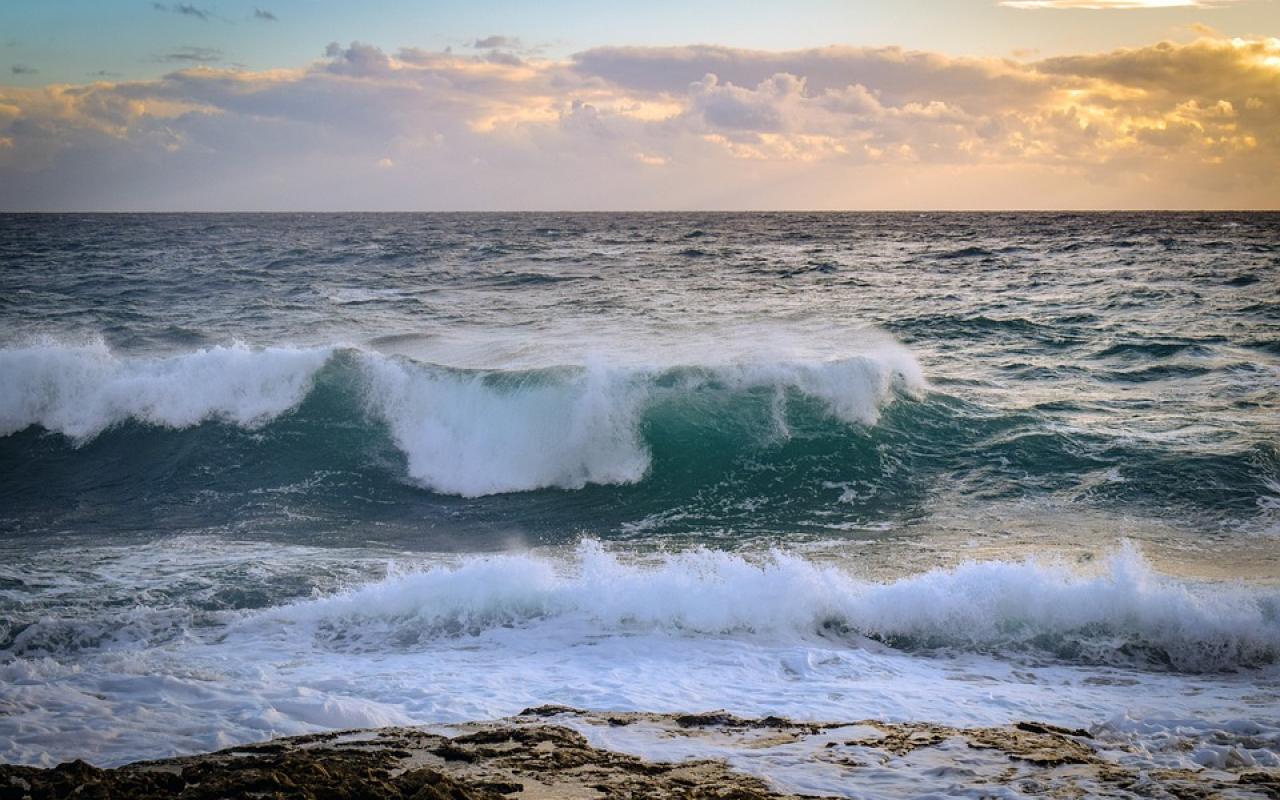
column 503, row 57
column 186, row 10
column 266, row 16
column 491, row 42
column 23, row 69
column 357, row 60
column 1195, row 124
column 192, row 11
column 899, row 75
column 1104, row 5
column 763, row 109
column 199, row 55
column 1207, row 70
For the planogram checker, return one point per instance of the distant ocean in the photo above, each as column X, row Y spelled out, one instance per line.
column 271, row 474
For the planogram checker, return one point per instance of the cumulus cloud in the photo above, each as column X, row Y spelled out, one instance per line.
column 900, row 75
column 763, row 109
column 23, row 69
column 503, row 57
column 357, row 60
column 1194, row 124
column 264, row 15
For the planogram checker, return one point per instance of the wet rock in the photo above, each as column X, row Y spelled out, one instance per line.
column 529, row 757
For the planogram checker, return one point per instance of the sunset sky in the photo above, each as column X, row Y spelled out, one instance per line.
column 808, row 104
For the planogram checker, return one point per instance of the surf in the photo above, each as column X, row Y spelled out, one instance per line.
column 768, row 444
column 465, row 432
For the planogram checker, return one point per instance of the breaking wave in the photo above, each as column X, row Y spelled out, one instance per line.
column 1124, row 613
column 759, row 445
column 464, row 432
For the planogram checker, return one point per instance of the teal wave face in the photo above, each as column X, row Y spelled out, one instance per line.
column 407, row 449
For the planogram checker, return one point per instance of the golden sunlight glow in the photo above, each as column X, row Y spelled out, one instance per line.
column 1163, row 111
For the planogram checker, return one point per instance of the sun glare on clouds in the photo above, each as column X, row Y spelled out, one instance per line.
column 1196, row 124
column 1102, row 5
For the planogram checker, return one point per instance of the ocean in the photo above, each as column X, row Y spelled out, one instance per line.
column 270, row 474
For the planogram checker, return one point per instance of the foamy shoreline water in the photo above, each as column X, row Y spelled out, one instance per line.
column 1114, row 647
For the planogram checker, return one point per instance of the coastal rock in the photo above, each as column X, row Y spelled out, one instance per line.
column 561, row 752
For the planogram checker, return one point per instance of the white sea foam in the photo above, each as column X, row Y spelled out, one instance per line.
column 463, row 433
column 982, row 606
column 480, row 637
column 81, row 390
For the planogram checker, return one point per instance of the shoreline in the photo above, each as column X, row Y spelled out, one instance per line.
column 561, row 752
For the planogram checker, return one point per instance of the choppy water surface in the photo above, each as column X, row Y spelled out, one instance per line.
column 263, row 474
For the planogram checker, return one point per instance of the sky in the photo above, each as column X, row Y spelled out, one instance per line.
column 573, row 105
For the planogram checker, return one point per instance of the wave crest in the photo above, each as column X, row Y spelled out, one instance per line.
column 478, row 433
column 1125, row 613
column 80, row 391
column 463, row 432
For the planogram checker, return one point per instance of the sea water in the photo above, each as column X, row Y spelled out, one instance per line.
column 272, row 474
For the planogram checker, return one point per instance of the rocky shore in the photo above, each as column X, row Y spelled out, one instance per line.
column 557, row 752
